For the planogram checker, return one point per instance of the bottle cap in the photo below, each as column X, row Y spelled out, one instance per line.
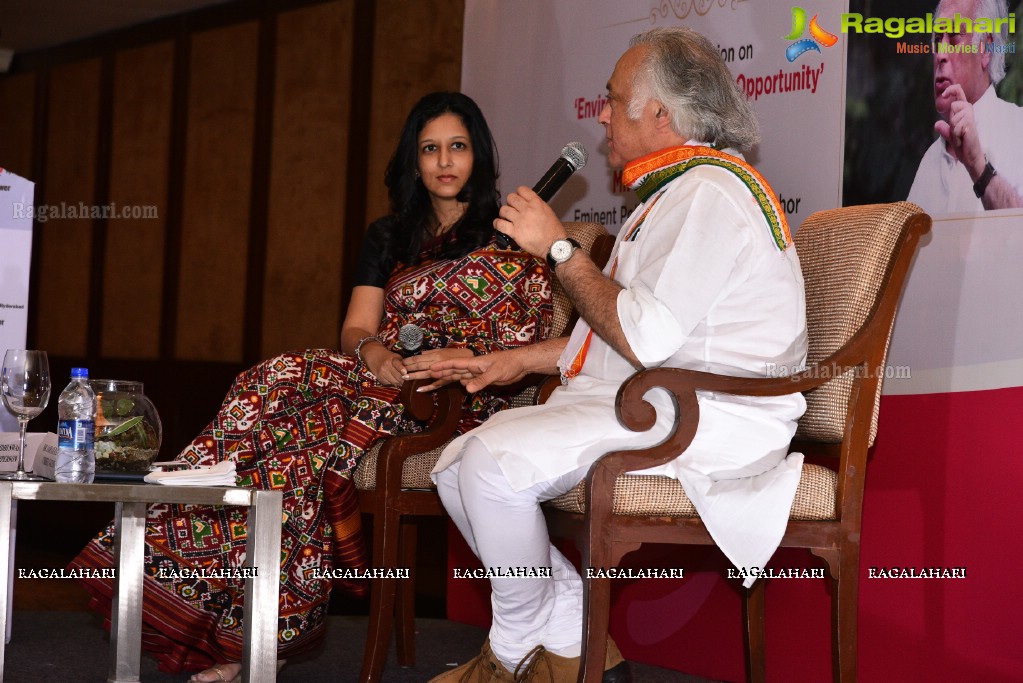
column 80, row 372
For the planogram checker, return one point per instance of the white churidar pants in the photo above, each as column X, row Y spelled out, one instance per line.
column 506, row 528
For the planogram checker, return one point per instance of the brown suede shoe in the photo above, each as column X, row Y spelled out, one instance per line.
column 541, row 666
column 483, row 668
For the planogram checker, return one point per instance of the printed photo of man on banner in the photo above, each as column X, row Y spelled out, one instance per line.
column 940, row 76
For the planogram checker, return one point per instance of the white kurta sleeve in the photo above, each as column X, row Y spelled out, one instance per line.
column 696, row 256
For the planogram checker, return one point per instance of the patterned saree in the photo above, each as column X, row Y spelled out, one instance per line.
column 298, row 423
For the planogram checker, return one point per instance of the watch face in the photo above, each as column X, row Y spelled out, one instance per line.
column 561, row 250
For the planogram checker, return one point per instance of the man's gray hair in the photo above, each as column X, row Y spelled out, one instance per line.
column 687, row 75
column 993, row 10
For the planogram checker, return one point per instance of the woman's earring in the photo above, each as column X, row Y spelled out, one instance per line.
column 417, row 173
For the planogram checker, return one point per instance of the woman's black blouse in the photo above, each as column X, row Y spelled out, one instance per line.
column 374, row 268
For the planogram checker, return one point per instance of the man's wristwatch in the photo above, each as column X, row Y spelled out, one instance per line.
column 980, row 187
column 561, row 251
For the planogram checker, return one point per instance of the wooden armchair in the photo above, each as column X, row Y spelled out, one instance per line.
column 393, row 481
column 854, row 263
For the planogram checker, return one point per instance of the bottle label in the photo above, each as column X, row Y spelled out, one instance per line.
column 75, row 434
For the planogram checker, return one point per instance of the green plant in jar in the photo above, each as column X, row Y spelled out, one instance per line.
column 128, row 429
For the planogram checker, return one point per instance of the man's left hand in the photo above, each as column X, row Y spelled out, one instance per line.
column 529, row 221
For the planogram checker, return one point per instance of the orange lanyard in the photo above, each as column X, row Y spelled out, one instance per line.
column 580, row 357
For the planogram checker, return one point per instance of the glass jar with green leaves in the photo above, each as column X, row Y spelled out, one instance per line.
column 128, row 428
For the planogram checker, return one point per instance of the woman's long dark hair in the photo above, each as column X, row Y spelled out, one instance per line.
column 412, row 220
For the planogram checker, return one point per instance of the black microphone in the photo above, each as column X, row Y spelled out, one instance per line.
column 573, row 157
column 411, row 338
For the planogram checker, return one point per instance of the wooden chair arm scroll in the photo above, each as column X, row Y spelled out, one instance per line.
column 440, row 409
column 635, row 413
column 421, row 405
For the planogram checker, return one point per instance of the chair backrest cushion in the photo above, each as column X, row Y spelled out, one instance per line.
column 845, row 254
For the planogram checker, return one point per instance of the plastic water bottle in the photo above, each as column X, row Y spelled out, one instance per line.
column 76, row 460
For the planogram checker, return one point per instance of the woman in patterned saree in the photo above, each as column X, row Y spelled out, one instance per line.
column 300, row 422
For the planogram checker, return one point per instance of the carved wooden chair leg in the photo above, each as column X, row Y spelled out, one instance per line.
column 596, row 620
column 382, row 598
column 597, row 553
column 753, row 614
column 405, row 611
column 845, row 590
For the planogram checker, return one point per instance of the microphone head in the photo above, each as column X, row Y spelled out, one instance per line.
column 411, row 338
column 575, row 154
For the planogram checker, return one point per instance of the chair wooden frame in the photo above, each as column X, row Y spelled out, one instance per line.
column 604, row 538
column 394, row 532
column 394, row 508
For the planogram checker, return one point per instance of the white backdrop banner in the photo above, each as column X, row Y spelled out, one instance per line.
column 539, row 70
column 16, row 203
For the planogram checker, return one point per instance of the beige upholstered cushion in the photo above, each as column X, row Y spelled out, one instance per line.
column 844, row 254
column 415, row 473
column 646, row 495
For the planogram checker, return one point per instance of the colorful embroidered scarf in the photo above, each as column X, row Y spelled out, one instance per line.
column 649, row 174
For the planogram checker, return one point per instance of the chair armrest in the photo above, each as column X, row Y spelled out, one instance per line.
column 635, row 413
column 547, row 386
column 442, row 412
column 421, row 405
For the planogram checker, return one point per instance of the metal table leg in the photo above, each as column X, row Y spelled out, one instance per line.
column 5, row 556
column 262, row 555
column 259, row 656
column 126, row 608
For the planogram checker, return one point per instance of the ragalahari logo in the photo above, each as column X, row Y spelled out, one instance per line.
column 818, row 36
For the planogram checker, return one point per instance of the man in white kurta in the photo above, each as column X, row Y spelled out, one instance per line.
column 976, row 162
column 943, row 184
column 703, row 276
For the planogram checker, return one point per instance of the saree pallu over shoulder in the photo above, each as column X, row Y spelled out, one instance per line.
column 488, row 300
column 299, row 423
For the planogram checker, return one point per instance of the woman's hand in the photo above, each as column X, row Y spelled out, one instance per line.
column 418, row 367
column 384, row 364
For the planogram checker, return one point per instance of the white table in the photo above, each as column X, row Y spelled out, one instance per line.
column 259, row 653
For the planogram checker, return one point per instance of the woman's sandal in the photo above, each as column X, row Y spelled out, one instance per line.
column 222, row 677
column 218, row 671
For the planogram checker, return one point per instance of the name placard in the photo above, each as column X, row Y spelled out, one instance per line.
column 40, row 452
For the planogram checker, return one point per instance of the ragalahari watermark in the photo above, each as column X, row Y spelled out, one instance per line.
column 72, row 211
